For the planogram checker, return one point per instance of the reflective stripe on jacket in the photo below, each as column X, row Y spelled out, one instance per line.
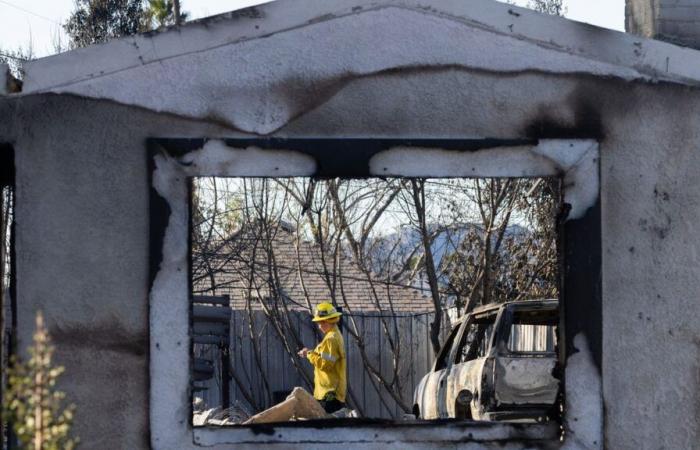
column 328, row 359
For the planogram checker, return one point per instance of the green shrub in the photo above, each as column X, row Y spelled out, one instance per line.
column 32, row 405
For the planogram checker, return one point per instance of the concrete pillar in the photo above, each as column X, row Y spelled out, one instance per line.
column 675, row 21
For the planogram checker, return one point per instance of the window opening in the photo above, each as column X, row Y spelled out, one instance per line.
column 442, row 358
column 533, row 332
column 384, row 252
column 476, row 338
column 570, row 163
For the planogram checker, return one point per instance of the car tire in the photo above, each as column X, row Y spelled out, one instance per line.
column 463, row 411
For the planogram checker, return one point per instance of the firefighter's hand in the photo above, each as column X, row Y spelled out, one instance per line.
column 302, row 353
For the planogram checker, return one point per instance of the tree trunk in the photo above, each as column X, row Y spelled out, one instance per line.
column 176, row 11
column 419, row 202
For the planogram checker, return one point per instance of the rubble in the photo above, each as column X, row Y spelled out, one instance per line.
column 235, row 415
column 299, row 405
column 346, row 413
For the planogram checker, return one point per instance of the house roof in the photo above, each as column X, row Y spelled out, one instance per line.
column 280, row 58
column 303, row 281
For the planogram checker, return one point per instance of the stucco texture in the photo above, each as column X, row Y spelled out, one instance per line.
column 82, row 191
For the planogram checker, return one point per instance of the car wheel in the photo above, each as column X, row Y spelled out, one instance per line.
column 463, row 409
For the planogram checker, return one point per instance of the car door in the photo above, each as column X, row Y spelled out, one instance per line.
column 434, row 391
column 527, row 361
column 465, row 374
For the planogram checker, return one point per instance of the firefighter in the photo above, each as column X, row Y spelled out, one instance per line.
column 328, row 359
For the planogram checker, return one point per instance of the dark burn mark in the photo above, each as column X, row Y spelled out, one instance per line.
column 7, row 165
column 306, row 95
column 587, row 123
column 159, row 216
column 322, row 18
column 107, row 335
column 13, row 85
column 252, row 12
column 662, row 195
column 262, row 428
column 581, row 290
column 521, row 435
column 310, row 95
column 363, row 422
column 348, row 158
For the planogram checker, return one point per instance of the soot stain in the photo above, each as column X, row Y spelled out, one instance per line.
column 106, row 335
column 587, row 123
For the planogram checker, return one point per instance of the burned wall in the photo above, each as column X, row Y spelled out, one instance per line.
column 82, row 201
column 82, row 250
column 649, row 210
column 669, row 20
column 82, row 188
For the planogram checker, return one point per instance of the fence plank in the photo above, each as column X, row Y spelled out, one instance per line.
column 370, row 332
column 406, row 370
column 356, row 379
column 389, row 405
column 420, row 344
column 416, row 358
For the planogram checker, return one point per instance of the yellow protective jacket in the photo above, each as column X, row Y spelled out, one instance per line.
column 328, row 359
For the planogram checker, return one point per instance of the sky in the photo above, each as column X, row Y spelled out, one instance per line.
column 39, row 21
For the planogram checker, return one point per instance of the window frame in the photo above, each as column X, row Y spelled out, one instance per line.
column 507, row 330
column 447, row 349
column 496, row 313
column 173, row 162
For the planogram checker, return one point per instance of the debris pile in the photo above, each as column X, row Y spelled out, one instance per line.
column 235, row 415
column 299, row 405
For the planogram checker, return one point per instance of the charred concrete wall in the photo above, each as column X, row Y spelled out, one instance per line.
column 82, row 250
column 676, row 21
column 82, row 203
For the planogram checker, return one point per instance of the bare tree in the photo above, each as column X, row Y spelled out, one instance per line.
column 464, row 242
column 16, row 59
column 176, row 11
column 418, row 194
column 554, row 7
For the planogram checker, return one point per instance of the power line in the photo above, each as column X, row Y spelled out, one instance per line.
column 19, row 8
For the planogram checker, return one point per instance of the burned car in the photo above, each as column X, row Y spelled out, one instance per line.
column 499, row 363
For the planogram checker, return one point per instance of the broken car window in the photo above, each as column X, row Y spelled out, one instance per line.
column 441, row 361
column 476, row 339
column 533, row 332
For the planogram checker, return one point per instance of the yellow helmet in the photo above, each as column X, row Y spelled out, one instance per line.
column 325, row 311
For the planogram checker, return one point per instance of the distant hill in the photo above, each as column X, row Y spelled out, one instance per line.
column 391, row 250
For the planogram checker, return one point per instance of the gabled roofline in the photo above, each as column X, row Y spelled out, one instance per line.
column 654, row 60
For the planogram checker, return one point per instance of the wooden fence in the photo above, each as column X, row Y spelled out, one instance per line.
column 263, row 372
